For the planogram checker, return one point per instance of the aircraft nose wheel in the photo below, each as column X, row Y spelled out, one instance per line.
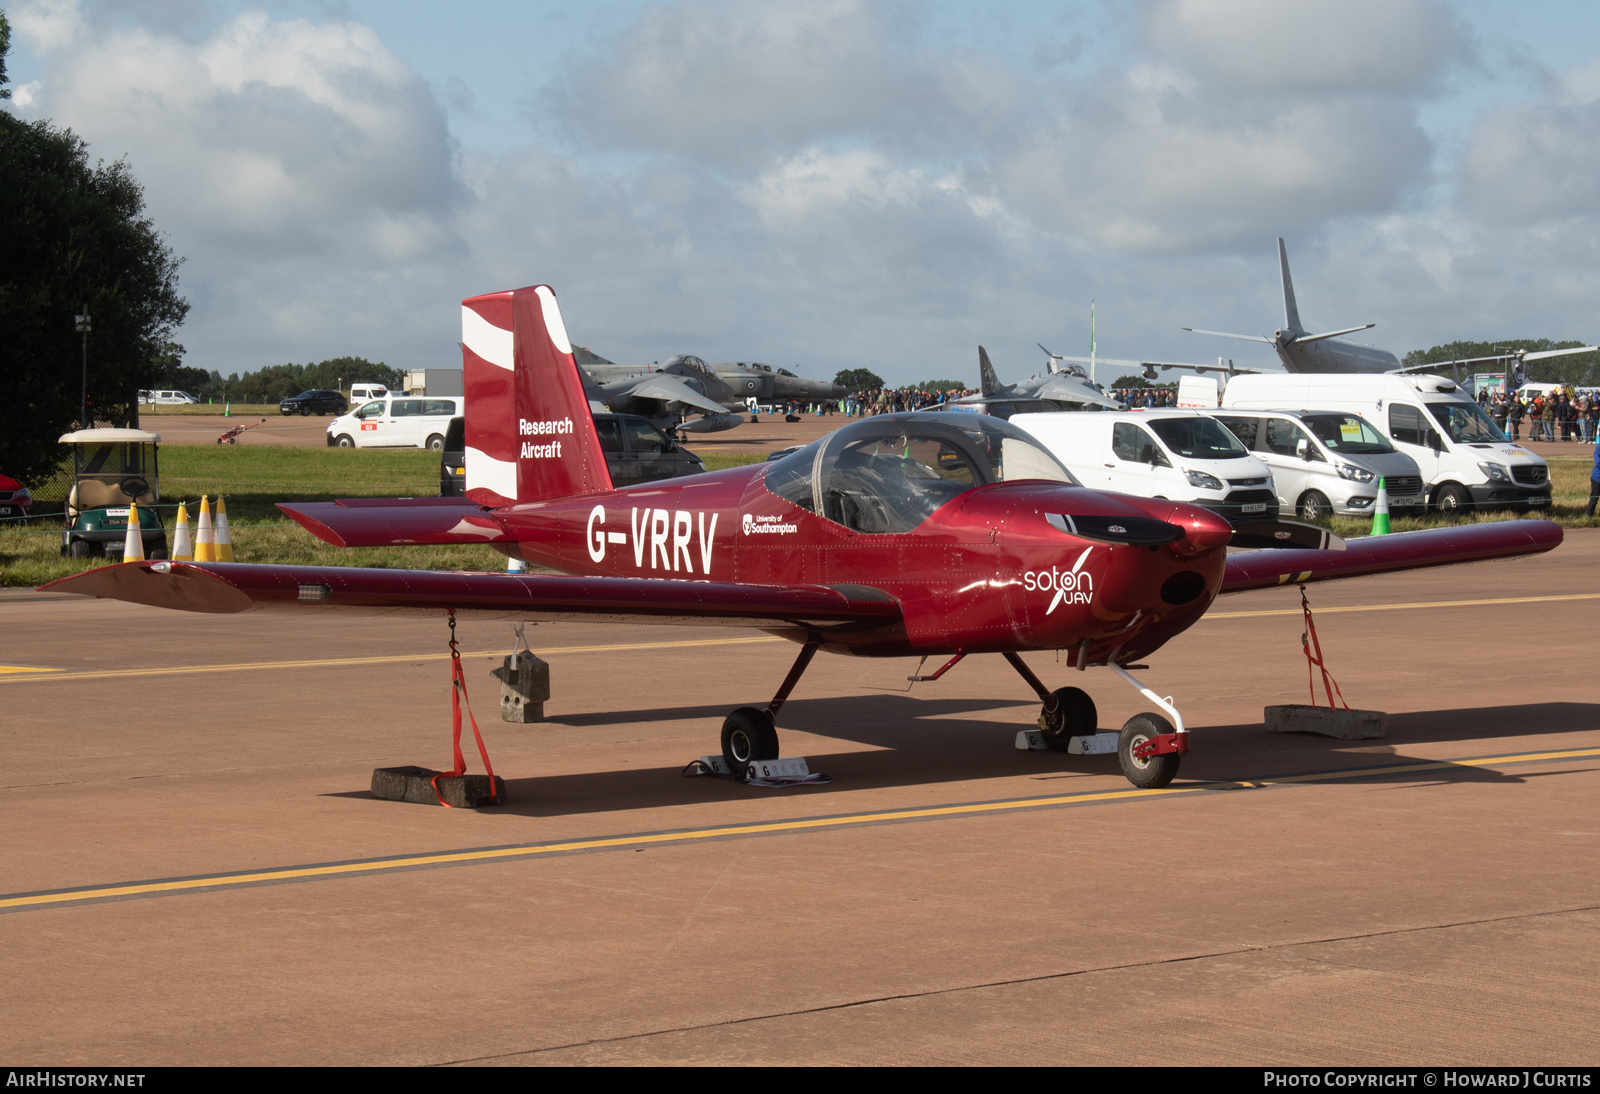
column 1071, row 714
column 1152, row 772
column 748, row 734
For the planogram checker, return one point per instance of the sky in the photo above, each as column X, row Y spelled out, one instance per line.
column 845, row 183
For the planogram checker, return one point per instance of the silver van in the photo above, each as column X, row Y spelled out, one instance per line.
column 1326, row 461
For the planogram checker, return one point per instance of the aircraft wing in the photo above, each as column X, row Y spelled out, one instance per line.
column 1381, row 554
column 670, row 389
column 230, row 587
column 1123, row 362
column 1068, row 390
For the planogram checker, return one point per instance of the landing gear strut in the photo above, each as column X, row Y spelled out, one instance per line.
column 750, row 733
column 1148, row 748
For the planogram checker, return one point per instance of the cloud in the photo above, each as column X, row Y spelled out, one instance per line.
column 1158, row 168
column 1352, row 46
column 735, row 83
column 270, row 137
column 1538, row 160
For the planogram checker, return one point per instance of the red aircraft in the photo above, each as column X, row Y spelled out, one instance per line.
column 903, row 534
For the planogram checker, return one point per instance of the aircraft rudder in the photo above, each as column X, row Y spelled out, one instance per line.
column 988, row 382
column 1291, row 310
column 530, row 435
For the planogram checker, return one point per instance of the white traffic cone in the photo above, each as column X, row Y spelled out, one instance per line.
column 223, row 546
column 204, row 551
column 133, row 542
column 182, row 549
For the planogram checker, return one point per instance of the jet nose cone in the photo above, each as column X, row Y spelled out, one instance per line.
column 1204, row 531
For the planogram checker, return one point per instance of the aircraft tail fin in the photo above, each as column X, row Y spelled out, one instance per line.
column 529, row 433
column 988, row 383
column 1291, row 311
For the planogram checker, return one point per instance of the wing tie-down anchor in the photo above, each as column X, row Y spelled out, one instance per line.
column 1149, row 748
column 453, row 789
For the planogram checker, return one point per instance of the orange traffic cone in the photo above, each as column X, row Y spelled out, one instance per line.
column 182, row 549
column 204, row 550
column 133, row 542
column 223, row 545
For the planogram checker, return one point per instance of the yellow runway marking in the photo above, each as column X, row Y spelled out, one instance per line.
column 246, row 666
column 5, row 669
column 524, row 851
column 1399, row 607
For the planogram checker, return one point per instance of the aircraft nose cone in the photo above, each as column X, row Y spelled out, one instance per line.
column 1204, row 531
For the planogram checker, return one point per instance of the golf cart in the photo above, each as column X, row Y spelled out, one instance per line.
column 110, row 468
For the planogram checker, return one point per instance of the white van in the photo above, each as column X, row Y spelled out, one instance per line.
column 396, row 421
column 167, row 398
column 1183, row 455
column 1327, row 461
column 1464, row 458
column 365, row 393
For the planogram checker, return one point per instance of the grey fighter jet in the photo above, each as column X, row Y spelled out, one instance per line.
column 1062, row 388
column 766, row 384
column 666, row 394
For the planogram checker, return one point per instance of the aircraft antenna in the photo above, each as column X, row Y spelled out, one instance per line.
column 1091, row 340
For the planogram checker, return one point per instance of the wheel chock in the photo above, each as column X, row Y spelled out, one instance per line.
column 1090, row 744
column 1349, row 725
column 415, row 785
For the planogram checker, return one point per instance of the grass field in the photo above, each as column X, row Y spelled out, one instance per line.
column 254, row 479
column 239, row 410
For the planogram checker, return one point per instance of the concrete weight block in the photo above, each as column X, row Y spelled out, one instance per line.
column 415, row 784
column 1349, row 725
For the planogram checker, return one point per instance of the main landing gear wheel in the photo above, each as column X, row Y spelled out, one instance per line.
column 1156, row 771
column 748, row 734
column 1074, row 716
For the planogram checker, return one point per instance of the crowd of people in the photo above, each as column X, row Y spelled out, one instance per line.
column 1561, row 414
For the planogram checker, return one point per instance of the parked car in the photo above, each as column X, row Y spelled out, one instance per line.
column 1327, row 461
column 363, row 393
column 636, row 452
column 315, row 401
column 166, row 398
column 396, row 421
column 15, row 501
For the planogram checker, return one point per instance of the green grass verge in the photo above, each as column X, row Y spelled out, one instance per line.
column 238, row 410
column 254, row 480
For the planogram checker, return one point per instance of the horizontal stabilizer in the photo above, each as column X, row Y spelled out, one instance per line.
column 392, row 522
column 1381, row 554
column 223, row 587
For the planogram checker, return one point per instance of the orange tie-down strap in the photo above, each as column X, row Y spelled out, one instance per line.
column 1312, row 648
column 458, row 695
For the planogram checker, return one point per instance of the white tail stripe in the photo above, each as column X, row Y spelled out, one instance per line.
column 552, row 319
column 484, row 472
column 485, row 339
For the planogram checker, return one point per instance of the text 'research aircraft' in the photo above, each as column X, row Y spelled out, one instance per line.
column 943, row 535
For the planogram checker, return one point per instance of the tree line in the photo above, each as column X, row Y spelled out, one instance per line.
column 275, row 383
column 1577, row 369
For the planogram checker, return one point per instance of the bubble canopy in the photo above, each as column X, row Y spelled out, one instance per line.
column 889, row 473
